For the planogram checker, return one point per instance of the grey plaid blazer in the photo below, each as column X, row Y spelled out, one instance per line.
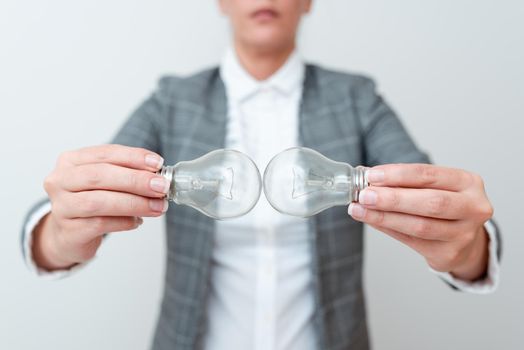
column 342, row 117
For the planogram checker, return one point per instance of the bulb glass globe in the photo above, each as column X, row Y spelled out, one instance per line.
column 302, row 182
column 222, row 184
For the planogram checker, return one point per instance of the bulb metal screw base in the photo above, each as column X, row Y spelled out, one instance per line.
column 359, row 182
column 168, row 172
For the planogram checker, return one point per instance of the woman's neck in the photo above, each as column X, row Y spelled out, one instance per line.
column 261, row 64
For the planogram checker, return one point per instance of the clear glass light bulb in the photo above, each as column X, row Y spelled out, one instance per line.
column 221, row 184
column 302, row 182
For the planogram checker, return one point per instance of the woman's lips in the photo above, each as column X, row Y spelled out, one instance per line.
column 265, row 15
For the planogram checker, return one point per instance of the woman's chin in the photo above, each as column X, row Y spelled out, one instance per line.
column 268, row 41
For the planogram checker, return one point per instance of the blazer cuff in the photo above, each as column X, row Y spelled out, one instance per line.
column 488, row 284
column 27, row 245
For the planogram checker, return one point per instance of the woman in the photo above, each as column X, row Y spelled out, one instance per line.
column 265, row 281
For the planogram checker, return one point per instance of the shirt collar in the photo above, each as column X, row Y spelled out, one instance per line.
column 241, row 85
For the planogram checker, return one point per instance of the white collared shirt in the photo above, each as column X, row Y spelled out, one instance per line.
column 261, row 295
column 261, row 265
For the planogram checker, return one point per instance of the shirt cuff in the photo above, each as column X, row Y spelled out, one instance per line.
column 490, row 283
column 29, row 228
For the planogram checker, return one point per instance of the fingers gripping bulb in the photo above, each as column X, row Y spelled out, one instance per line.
column 303, row 182
column 221, row 184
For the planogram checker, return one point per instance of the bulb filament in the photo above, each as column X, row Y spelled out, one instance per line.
column 305, row 185
column 222, row 186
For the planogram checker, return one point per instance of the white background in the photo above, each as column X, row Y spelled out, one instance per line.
column 72, row 71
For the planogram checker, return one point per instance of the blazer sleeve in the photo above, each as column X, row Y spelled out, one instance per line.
column 143, row 127
column 385, row 139
column 140, row 130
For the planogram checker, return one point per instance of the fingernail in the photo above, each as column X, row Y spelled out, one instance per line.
column 356, row 210
column 159, row 184
column 139, row 221
column 367, row 197
column 160, row 205
column 374, row 176
column 154, row 161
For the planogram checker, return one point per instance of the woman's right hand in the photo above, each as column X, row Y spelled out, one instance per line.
column 94, row 191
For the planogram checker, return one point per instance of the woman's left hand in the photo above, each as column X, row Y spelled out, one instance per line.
column 439, row 212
